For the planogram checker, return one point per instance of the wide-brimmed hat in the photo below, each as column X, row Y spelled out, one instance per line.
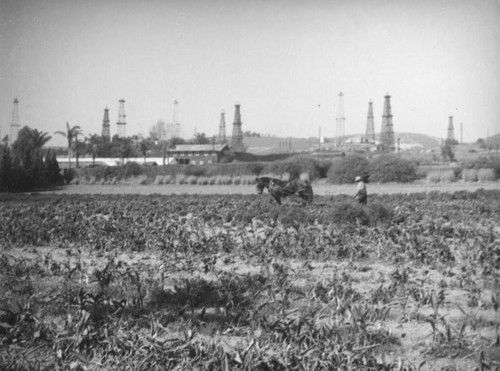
column 358, row 179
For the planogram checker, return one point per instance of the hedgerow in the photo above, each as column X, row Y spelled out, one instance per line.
column 295, row 166
column 391, row 168
column 345, row 170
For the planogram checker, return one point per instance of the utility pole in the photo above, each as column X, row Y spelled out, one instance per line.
column 319, row 139
column 340, row 121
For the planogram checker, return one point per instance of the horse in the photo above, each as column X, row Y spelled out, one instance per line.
column 280, row 188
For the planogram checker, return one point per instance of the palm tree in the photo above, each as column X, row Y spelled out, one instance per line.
column 39, row 138
column 71, row 135
column 93, row 143
column 144, row 146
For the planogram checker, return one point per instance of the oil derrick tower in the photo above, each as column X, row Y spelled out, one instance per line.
column 175, row 122
column 222, row 128
column 173, row 129
column 451, row 131
column 340, row 121
column 106, row 129
column 237, row 138
column 121, row 124
column 370, row 126
column 14, row 127
column 387, row 131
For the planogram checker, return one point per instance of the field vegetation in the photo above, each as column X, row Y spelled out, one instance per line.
column 235, row 282
column 336, row 170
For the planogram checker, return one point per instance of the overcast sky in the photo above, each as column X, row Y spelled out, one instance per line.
column 284, row 61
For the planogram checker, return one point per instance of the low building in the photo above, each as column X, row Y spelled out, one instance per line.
column 199, row 154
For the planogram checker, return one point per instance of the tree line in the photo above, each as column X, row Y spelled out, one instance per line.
column 26, row 166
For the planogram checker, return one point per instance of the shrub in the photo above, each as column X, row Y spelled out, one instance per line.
column 131, row 169
column 348, row 212
column 68, row 175
column 223, row 180
column 158, row 180
column 191, row 179
column 469, row 175
column 485, row 163
column 255, row 168
column 294, row 216
column 392, row 168
column 181, row 179
column 297, row 165
column 379, row 213
column 486, row 175
column 435, row 176
column 142, row 180
column 167, row 179
column 345, row 169
column 202, row 180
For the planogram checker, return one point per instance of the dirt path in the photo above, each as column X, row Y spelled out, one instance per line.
column 321, row 188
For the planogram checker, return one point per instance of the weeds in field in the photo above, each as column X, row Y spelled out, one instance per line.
column 193, row 309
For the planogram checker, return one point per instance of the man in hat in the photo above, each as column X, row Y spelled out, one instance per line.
column 361, row 194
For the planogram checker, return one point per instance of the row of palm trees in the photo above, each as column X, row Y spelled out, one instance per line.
column 95, row 142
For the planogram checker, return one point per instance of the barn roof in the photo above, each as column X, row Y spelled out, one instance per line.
column 200, row 147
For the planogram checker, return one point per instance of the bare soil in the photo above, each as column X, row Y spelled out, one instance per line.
column 321, row 188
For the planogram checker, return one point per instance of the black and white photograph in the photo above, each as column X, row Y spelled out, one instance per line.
column 250, row 185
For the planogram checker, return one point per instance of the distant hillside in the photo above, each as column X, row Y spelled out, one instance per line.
column 426, row 141
column 267, row 145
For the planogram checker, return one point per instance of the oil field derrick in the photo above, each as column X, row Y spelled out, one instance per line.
column 370, row 124
column 340, row 122
column 106, row 127
column 387, row 131
column 121, row 124
column 237, row 138
column 222, row 128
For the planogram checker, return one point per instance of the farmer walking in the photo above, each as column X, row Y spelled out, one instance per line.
column 361, row 194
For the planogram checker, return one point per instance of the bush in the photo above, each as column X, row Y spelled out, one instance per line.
column 392, row 168
column 167, row 179
column 297, row 165
column 180, row 179
column 344, row 170
column 485, row 163
column 142, row 180
column 348, row 212
column 131, row 169
column 379, row 213
column 203, row 180
column 68, row 175
column 158, row 180
column 255, row 168
column 191, row 179
column 469, row 175
column 486, row 175
column 436, row 176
